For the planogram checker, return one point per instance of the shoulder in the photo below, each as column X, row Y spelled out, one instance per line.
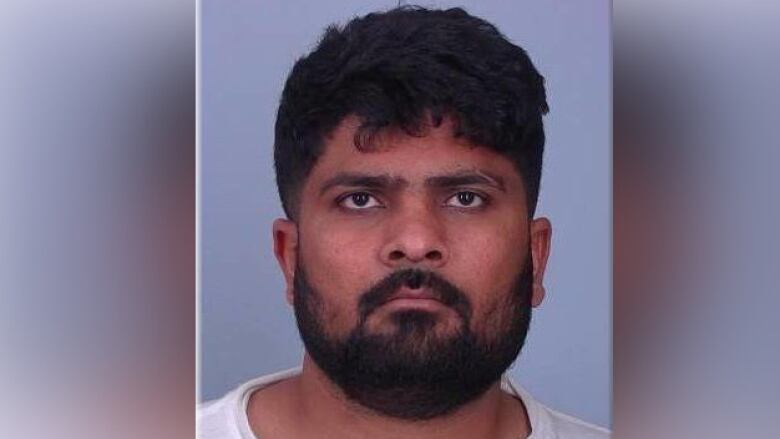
column 216, row 418
column 225, row 418
column 547, row 423
column 566, row 426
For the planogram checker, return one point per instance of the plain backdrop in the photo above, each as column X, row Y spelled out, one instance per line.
column 246, row 327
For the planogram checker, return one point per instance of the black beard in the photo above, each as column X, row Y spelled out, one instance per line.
column 412, row 373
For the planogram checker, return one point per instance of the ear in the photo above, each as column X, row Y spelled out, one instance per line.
column 286, row 251
column 541, row 235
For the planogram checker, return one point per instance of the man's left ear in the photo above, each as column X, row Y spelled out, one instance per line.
column 541, row 235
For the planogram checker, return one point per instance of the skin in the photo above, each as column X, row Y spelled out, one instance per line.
column 408, row 214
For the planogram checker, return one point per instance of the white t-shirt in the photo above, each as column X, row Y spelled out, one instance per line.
column 226, row 418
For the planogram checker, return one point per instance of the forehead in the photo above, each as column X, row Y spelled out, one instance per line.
column 396, row 153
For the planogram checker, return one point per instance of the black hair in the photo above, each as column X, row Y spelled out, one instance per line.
column 401, row 69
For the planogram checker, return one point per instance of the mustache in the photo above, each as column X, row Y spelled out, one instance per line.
column 413, row 278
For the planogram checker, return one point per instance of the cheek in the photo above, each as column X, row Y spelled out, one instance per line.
column 485, row 262
column 338, row 265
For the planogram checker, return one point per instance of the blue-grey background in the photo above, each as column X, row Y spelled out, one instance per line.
column 246, row 327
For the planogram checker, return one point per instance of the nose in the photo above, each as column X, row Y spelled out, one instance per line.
column 415, row 238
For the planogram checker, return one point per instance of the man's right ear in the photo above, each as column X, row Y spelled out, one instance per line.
column 286, row 251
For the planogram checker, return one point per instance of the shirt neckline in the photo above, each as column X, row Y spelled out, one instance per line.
column 245, row 391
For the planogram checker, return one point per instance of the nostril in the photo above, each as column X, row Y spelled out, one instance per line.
column 434, row 255
column 396, row 255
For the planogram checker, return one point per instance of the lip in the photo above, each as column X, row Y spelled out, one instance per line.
column 408, row 294
column 420, row 298
column 429, row 305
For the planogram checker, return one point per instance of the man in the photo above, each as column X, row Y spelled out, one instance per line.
column 408, row 157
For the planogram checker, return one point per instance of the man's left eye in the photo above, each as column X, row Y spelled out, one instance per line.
column 466, row 199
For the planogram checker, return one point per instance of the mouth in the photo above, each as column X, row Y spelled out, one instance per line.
column 405, row 292
column 416, row 298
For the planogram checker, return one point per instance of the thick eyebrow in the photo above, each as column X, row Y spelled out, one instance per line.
column 466, row 178
column 385, row 181
column 382, row 181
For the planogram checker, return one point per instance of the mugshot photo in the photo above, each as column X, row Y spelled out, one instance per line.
column 404, row 220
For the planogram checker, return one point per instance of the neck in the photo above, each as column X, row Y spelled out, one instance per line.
column 322, row 407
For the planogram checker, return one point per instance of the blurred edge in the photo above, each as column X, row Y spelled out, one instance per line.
column 695, row 210
column 97, row 163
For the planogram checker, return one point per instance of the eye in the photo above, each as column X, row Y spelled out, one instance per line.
column 359, row 200
column 466, row 199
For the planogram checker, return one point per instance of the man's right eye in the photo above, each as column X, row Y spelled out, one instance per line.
column 359, row 200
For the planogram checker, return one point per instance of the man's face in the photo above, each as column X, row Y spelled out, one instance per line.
column 409, row 257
